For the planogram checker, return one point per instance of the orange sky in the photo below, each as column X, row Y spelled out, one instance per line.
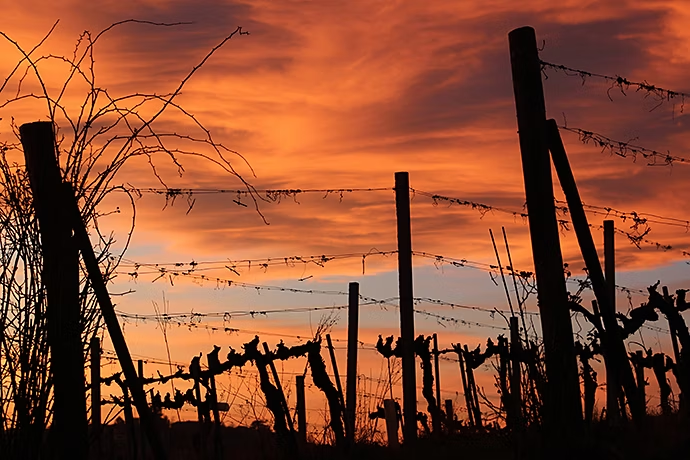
column 329, row 96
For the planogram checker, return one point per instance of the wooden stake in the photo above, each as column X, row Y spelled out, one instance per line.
column 286, row 409
column 619, row 371
column 465, row 387
column 437, row 419
column 515, row 376
column 111, row 322
column 472, row 387
column 336, row 374
column 60, row 275
column 301, row 410
column 450, row 415
column 562, row 407
column 96, row 394
column 352, row 344
column 409, row 382
column 639, row 375
column 391, row 422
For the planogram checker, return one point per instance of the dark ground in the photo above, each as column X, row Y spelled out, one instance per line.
column 661, row 438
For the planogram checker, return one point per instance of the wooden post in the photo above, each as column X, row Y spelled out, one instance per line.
column 613, row 394
column 301, row 410
column 465, row 387
column 409, row 382
column 110, row 318
column 674, row 336
column 437, row 420
column 141, row 442
column 60, row 275
column 96, row 385
column 129, row 420
column 563, row 410
column 272, row 365
column 391, row 422
column 639, row 375
column 352, row 343
column 619, row 371
column 96, row 395
column 217, row 440
column 472, row 387
column 515, row 376
column 450, row 414
column 336, row 374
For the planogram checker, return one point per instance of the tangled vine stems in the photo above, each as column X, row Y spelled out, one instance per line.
column 95, row 138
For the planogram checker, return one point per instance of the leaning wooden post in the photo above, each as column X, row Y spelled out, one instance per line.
column 110, row 318
column 562, row 407
column 409, row 382
column 276, row 378
column 465, row 387
column 336, row 374
column 437, row 420
column 352, row 342
column 301, row 410
column 60, row 275
column 515, row 376
column 95, row 354
column 391, row 422
column 618, row 368
column 472, row 387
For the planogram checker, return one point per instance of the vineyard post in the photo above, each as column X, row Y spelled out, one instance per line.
column 639, row 374
column 352, row 342
column 618, row 368
column 391, row 422
column 472, row 387
column 450, row 415
column 409, row 382
column 336, row 374
column 69, row 431
column 437, row 420
column 612, row 387
column 465, row 387
column 129, row 421
column 563, row 410
column 276, row 378
column 301, row 410
column 515, row 377
column 674, row 336
column 142, row 442
column 110, row 318
column 217, row 441
column 96, row 392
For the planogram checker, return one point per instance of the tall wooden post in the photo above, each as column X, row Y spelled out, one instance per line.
column 619, row 371
column 563, row 410
column 515, row 376
column 110, row 318
column 437, row 420
column 96, row 385
column 352, row 342
column 61, row 278
column 613, row 409
column 409, row 382
column 95, row 354
column 301, row 410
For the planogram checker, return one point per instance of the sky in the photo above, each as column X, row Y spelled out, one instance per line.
column 342, row 95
